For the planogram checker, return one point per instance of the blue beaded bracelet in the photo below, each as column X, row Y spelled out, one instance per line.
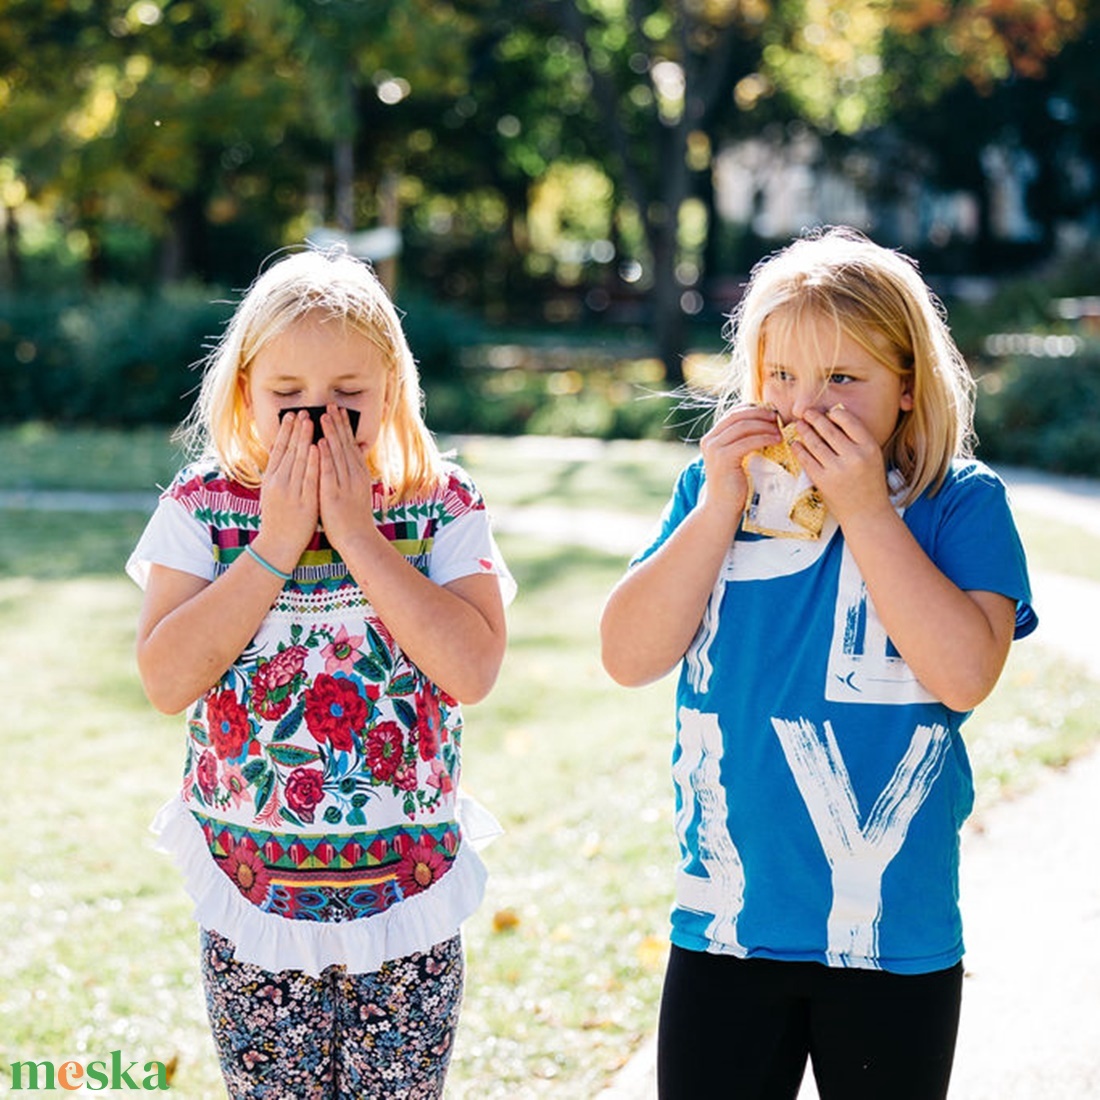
column 266, row 564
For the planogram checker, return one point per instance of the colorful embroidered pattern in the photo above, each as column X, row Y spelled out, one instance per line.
column 323, row 766
column 330, row 878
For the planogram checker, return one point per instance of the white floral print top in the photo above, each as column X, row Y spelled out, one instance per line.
column 318, row 820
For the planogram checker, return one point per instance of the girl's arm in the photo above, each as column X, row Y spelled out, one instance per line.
column 955, row 641
column 191, row 630
column 454, row 633
column 652, row 615
column 654, row 612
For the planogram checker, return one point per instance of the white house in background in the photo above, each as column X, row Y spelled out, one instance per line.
column 778, row 187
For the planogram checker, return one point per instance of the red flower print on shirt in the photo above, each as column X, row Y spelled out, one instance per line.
column 421, row 866
column 385, row 749
column 429, row 723
column 335, row 711
column 304, row 790
column 244, row 866
column 227, row 722
column 274, row 681
column 285, row 665
column 404, row 778
column 206, row 774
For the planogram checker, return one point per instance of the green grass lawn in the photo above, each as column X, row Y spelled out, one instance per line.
column 97, row 948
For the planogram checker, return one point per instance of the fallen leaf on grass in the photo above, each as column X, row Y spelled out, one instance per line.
column 504, row 920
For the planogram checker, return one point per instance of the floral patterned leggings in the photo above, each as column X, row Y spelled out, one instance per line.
column 379, row 1036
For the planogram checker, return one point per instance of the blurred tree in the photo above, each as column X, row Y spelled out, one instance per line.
column 1020, row 79
column 525, row 143
column 937, row 89
column 162, row 117
column 44, row 107
column 661, row 72
column 212, row 126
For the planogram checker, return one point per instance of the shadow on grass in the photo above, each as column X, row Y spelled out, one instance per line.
column 67, row 545
column 542, row 566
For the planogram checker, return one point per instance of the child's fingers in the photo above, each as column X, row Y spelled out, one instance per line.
column 300, row 448
column 312, row 478
column 850, row 424
column 338, row 437
column 741, row 414
column 752, row 424
column 282, row 443
column 837, row 430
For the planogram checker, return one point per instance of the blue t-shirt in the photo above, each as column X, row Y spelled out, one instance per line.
column 820, row 788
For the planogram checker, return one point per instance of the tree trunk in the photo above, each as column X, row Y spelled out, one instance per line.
column 343, row 158
column 389, row 216
column 668, row 316
column 13, row 260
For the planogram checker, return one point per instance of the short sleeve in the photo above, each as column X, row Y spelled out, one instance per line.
column 684, row 497
column 466, row 547
column 173, row 538
column 463, row 544
column 975, row 542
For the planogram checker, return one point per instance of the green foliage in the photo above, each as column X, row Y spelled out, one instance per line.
column 1042, row 413
column 437, row 333
column 581, row 394
column 118, row 356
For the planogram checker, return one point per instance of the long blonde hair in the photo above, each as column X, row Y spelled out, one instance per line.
column 336, row 286
column 876, row 297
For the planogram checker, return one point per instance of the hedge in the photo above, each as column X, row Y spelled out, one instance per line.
column 122, row 357
column 1042, row 413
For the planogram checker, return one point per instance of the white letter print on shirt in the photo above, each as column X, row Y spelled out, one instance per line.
column 858, row 855
column 863, row 665
column 748, row 561
column 721, row 891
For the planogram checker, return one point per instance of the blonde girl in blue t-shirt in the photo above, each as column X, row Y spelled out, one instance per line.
column 322, row 606
column 835, row 618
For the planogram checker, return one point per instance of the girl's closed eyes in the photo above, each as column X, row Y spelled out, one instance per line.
column 314, row 584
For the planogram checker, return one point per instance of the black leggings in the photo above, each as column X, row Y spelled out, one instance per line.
column 743, row 1028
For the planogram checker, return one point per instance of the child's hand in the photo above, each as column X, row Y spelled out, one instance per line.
column 844, row 462
column 346, row 483
column 741, row 431
column 288, row 494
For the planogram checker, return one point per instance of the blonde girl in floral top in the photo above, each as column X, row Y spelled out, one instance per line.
column 321, row 608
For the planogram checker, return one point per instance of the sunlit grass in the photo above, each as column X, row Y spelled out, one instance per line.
column 97, row 947
column 631, row 476
column 1059, row 547
column 44, row 456
column 96, row 944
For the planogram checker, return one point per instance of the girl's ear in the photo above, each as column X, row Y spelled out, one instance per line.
column 906, row 403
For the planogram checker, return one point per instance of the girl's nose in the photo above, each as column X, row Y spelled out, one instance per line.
column 809, row 394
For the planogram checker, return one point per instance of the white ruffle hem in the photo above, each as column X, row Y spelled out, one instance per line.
column 278, row 943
